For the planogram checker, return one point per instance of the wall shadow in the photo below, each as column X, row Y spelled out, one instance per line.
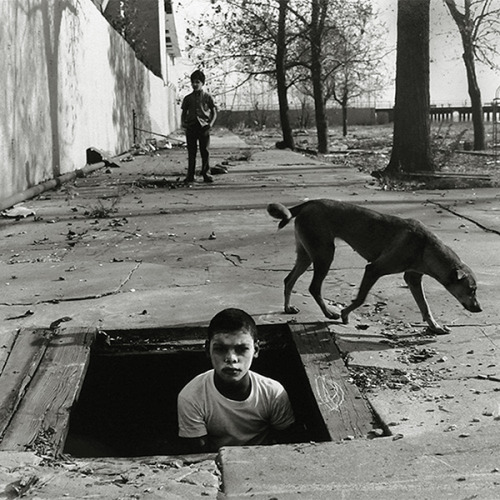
column 132, row 92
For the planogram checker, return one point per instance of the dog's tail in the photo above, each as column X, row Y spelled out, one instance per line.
column 279, row 211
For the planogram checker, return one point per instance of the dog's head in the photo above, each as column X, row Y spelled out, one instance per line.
column 462, row 285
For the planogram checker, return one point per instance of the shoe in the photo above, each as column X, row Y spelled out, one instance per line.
column 208, row 178
column 188, row 180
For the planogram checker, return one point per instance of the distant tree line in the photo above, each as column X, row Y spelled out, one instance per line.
column 332, row 50
column 326, row 49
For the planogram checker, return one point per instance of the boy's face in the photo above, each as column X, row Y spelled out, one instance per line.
column 196, row 84
column 232, row 354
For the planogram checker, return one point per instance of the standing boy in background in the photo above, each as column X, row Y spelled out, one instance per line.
column 198, row 117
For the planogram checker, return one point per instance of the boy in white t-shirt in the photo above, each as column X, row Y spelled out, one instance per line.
column 231, row 405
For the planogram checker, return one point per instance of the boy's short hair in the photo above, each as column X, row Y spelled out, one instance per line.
column 232, row 320
column 198, row 75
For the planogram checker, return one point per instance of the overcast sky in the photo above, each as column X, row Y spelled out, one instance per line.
column 447, row 71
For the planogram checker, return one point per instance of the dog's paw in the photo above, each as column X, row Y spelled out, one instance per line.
column 332, row 315
column 345, row 317
column 439, row 330
column 291, row 310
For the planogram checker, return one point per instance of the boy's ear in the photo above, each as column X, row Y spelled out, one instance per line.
column 257, row 349
column 207, row 348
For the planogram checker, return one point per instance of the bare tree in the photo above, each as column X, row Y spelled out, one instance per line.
column 291, row 41
column 319, row 12
column 358, row 50
column 281, row 81
column 479, row 26
column 411, row 142
column 255, row 37
column 352, row 55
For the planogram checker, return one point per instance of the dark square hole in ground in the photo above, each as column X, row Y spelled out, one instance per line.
column 128, row 402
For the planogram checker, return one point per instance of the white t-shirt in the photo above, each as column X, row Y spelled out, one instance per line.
column 203, row 410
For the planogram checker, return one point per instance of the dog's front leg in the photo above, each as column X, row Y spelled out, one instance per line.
column 322, row 261
column 414, row 282
column 369, row 279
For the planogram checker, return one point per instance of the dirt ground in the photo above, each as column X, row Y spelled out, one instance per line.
column 368, row 148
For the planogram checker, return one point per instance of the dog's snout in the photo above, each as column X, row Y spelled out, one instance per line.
column 474, row 307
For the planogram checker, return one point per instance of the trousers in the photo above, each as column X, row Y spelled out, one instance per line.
column 197, row 135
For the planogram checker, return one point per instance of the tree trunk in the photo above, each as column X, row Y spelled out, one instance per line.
column 411, row 141
column 317, row 13
column 319, row 109
column 344, row 119
column 475, row 99
column 465, row 25
column 281, row 85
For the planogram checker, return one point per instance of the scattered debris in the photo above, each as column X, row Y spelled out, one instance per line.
column 377, row 432
column 18, row 212
column 94, row 155
column 29, row 312
column 102, row 211
column 218, row 169
column 55, row 324
column 20, row 487
column 416, row 355
column 369, row 378
column 44, row 445
column 362, row 326
column 159, row 182
column 118, row 222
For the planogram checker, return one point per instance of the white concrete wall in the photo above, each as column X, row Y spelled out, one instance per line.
column 68, row 82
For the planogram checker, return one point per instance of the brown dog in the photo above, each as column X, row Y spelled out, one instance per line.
column 390, row 244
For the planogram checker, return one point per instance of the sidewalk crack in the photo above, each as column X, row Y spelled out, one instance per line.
column 451, row 211
column 229, row 257
column 76, row 299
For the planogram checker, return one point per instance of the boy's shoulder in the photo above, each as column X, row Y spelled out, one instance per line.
column 266, row 383
column 196, row 383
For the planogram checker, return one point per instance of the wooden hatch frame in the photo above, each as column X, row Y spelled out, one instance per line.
column 42, row 372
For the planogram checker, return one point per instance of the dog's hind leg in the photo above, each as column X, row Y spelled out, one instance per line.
column 302, row 262
column 414, row 282
column 322, row 260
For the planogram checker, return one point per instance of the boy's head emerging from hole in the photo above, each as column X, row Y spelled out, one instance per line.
column 232, row 405
column 232, row 346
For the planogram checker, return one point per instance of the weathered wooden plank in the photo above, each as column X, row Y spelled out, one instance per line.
column 42, row 418
column 342, row 406
column 7, row 340
column 25, row 355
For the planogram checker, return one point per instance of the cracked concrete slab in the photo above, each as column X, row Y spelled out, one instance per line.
column 153, row 263
column 152, row 477
column 28, row 284
column 386, row 469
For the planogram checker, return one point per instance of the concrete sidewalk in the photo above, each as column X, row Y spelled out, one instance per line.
column 168, row 255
